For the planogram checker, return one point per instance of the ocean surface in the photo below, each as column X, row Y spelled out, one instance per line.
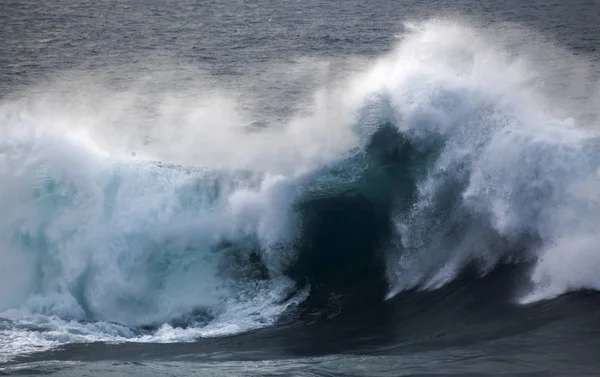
column 299, row 188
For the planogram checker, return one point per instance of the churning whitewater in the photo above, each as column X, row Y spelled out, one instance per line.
column 447, row 154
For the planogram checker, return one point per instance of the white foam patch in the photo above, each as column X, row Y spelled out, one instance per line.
column 22, row 332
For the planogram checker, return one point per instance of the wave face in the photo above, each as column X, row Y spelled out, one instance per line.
column 453, row 159
column 106, row 248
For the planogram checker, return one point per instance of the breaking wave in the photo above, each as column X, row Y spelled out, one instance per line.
column 447, row 155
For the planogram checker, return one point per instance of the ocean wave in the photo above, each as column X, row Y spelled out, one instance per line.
column 451, row 159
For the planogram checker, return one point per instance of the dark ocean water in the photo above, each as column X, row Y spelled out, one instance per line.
column 301, row 188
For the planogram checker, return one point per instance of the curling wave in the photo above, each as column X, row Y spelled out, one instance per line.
column 456, row 163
